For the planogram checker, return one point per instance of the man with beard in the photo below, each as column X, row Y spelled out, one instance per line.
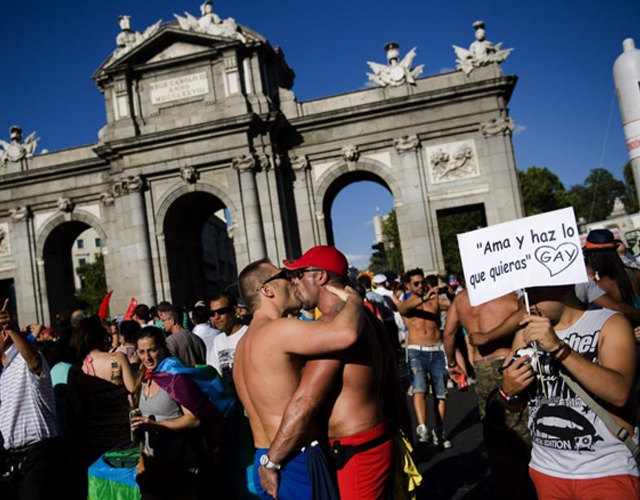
column 268, row 364
column 574, row 454
column 355, row 390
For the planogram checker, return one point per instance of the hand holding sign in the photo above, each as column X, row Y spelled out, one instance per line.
column 543, row 250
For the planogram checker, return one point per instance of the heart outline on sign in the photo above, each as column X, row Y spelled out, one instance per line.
column 556, row 250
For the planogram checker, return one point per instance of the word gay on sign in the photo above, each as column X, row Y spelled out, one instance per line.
column 542, row 250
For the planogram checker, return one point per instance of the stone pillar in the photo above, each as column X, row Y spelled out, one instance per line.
column 131, row 250
column 246, row 167
column 31, row 298
column 420, row 243
column 302, row 192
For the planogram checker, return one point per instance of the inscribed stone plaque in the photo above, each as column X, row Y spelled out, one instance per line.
column 181, row 87
column 453, row 161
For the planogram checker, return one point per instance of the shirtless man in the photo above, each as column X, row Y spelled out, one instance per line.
column 354, row 391
column 268, row 363
column 506, row 435
column 426, row 353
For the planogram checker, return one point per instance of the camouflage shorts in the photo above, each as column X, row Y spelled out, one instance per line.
column 502, row 429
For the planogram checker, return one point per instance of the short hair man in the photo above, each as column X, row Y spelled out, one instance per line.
column 182, row 344
column 426, row 352
column 223, row 314
column 203, row 329
column 574, row 455
column 142, row 315
column 269, row 360
column 361, row 378
column 28, row 420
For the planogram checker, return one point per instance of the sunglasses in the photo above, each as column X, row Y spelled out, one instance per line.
column 299, row 273
column 417, row 283
column 220, row 312
column 282, row 275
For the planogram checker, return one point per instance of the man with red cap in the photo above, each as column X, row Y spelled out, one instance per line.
column 351, row 389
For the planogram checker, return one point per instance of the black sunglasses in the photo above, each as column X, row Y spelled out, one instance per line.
column 220, row 311
column 282, row 275
column 299, row 273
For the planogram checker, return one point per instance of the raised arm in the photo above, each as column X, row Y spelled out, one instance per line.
column 314, row 338
column 25, row 348
column 415, row 301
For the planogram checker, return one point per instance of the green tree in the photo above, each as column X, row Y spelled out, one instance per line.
column 450, row 224
column 94, row 285
column 542, row 191
column 594, row 199
column 630, row 198
column 393, row 247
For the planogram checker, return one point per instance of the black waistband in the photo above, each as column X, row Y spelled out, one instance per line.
column 343, row 453
column 40, row 445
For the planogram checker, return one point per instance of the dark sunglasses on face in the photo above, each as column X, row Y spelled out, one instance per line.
column 220, row 311
column 417, row 283
column 299, row 273
column 282, row 275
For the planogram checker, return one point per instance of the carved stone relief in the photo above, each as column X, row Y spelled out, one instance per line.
column 244, row 163
column 406, row 143
column 453, row 161
column 20, row 213
column 65, row 205
column 189, row 174
column 350, row 153
column 5, row 241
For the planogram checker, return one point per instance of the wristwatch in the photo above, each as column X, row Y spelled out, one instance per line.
column 452, row 365
column 268, row 464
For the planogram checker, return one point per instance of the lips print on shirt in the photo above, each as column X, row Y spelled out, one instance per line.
column 563, row 427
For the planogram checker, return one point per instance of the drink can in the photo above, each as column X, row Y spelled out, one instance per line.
column 136, row 412
column 461, row 380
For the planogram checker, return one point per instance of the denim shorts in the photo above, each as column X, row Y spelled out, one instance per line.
column 428, row 363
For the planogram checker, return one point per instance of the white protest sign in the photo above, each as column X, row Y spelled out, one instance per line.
column 542, row 250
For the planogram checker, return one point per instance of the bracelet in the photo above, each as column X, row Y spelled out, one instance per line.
column 564, row 354
column 560, row 347
column 508, row 399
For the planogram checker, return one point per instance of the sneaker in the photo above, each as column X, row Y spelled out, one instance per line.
column 440, row 439
column 471, row 381
column 450, row 384
column 423, row 433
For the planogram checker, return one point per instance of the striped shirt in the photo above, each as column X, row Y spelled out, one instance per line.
column 27, row 404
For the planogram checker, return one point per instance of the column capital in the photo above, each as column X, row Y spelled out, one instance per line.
column 21, row 213
column 244, row 163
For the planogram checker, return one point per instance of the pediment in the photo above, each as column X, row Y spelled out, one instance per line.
column 169, row 42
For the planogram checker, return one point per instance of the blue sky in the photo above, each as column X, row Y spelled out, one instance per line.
column 564, row 53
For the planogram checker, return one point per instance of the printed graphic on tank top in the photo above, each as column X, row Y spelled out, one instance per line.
column 569, row 439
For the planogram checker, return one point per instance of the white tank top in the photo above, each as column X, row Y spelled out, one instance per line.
column 569, row 440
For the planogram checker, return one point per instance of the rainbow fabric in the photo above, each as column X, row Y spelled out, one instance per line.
column 202, row 391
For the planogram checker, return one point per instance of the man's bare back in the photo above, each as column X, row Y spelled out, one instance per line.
column 260, row 366
column 484, row 318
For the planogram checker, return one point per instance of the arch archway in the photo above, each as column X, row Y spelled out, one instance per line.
column 200, row 256
column 343, row 179
column 54, row 249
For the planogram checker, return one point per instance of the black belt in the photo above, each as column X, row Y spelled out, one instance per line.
column 343, row 453
column 40, row 445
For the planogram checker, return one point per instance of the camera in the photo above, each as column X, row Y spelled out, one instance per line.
column 543, row 364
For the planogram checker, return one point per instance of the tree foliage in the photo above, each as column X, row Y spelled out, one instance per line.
column 630, row 198
column 452, row 224
column 593, row 200
column 542, row 191
column 388, row 257
column 94, row 285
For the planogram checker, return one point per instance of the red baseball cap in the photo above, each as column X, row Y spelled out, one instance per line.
column 324, row 257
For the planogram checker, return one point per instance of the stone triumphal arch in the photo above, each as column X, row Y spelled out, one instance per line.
column 204, row 134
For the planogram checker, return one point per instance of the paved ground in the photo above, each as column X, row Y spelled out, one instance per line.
column 461, row 472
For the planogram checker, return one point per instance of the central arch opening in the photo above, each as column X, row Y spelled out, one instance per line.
column 69, row 246
column 355, row 207
column 200, row 254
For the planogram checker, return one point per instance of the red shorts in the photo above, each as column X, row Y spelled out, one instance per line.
column 623, row 487
column 367, row 475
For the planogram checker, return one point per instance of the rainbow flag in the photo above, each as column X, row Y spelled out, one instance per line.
column 113, row 475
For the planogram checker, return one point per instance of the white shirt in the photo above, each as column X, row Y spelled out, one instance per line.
column 207, row 334
column 27, row 405
column 224, row 349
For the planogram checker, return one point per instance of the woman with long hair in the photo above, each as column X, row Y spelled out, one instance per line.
column 172, row 437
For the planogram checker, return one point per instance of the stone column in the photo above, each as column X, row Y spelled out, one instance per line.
column 246, row 167
column 420, row 243
column 307, row 224
column 133, row 264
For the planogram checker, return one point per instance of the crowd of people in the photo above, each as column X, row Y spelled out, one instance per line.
column 312, row 363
